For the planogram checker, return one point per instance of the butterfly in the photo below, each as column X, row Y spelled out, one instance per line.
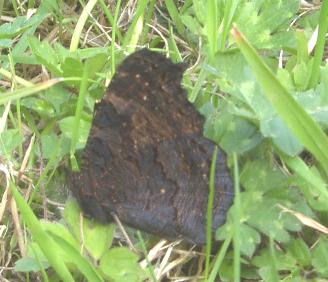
column 146, row 159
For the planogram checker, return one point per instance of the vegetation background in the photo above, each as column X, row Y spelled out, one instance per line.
column 262, row 87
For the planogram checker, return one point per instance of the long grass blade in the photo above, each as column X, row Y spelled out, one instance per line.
column 80, row 24
column 210, row 212
column 27, row 91
column 236, row 222
column 47, row 245
column 320, row 46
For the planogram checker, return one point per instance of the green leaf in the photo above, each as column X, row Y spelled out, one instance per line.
column 120, row 264
column 266, row 217
column 281, row 135
column 301, row 74
column 264, row 258
column 34, row 261
column 302, row 125
column 300, row 251
column 48, row 143
column 66, row 125
column 269, row 21
column 46, row 55
column 60, row 230
column 9, row 140
column 18, row 25
column 192, row 24
column 241, row 84
column 72, row 67
column 249, row 240
column 6, row 43
column 39, row 105
column 95, row 64
column 266, row 178
column 28, row 264
column 234, row 134
column 315, row 103
column 320, row 257
column 82, row 263
column 97, row 238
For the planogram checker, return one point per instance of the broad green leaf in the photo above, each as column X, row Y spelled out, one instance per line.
column 284, row 262
column 97, row 238
column 320, row 257
column 300, row 251
column 39, row 105
column 281, row 135
column 192, row 24
column 121, row 264
column 29, row 264
column 46, row 55
column 66, row 125
column 234, row 134
column 241, row 84
column 302, row 125
column 72, row 67
column 9, row 140
column 6, row 43
column 315, row 102
column 269, row 21
column 266, row 178
column 301, row 73
column 310, row 183
column 248, row 241
column 19, row 25
column 48, row 143
column 34, row 261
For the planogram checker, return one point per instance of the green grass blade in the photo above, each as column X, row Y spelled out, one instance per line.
column 42, row 270
column 19, row 80
column 212, row 25
column 273, row 265
column 175, row 16
column 47, row 245
column 110, row 18
column 81, row 263
column 317, row 183
column 199, row 83
column 302, row 125
column 236, row 222
column 78, row 115
column 144, row 250
column 229, row 11
column 320, row 46
column 112, row 46
column 134, row 32
column 27, row 91
column 218, row 260
column 148, row 21
column 209, row 216
column 80, row 24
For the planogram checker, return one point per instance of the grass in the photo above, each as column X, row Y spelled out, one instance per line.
column 264, row 98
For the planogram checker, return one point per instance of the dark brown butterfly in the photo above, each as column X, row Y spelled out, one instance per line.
column 146, row 159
